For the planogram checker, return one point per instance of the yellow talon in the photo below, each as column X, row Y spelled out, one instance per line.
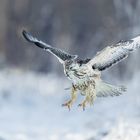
column 83, row 105
column 73, row 98
column 68, row 104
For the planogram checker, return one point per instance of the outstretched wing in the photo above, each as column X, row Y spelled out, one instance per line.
column 61, row 55
column 113, row 54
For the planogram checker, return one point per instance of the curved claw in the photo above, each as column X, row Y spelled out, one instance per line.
column 68, row 104
column 83, row 105
column 73, row 98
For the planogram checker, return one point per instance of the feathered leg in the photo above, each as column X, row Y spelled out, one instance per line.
column 73, row 98
column 90, row 97
column 83, row 104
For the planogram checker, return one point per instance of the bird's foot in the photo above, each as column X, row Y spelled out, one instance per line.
column 83, row 105
column 68, row 104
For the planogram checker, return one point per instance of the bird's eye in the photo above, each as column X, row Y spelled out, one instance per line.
column 70, row 68
column 93, row 67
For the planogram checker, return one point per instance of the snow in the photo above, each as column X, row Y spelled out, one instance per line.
column 30, row 109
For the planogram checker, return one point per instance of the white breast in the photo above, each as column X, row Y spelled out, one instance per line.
column 80, row 75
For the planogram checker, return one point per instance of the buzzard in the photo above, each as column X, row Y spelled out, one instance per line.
column 86, row 74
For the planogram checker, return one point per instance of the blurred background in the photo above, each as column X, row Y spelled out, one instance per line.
column 32, row 81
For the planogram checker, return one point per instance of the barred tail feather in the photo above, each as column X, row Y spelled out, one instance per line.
column 104, row 89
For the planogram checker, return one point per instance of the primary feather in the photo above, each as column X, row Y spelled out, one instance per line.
column 61, row 55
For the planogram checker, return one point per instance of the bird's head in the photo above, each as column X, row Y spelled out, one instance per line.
column 71, row 64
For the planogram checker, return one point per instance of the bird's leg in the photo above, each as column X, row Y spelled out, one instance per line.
column 73, row 98
column 90, row 97
column 83, row 104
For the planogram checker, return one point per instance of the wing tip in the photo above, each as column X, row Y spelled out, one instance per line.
column 24, row 33
column 27, row 36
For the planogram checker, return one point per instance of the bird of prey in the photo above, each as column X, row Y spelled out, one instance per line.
column 86, row 74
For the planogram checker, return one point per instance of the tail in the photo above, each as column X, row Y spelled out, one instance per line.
column 104, row 89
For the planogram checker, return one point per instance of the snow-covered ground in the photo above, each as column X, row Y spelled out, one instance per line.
column 30, row 109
